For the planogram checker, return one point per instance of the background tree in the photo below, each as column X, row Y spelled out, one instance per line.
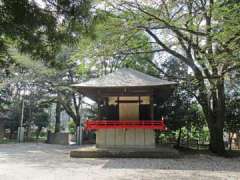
column 41, row 119
column 24, row 85
column 232, row 123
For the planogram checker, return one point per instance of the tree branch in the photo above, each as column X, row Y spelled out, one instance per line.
column 188, row 61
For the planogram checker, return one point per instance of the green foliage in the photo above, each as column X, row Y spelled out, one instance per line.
column 14, row 115
column 181, row 106
column 232, row 123
column 114, row 47
column 181, row 109
column 227, row 30
column 24, row 61
column 41, row 119
column 40, row 28
column 24, row 23
column 72, row 127
column 33, row 115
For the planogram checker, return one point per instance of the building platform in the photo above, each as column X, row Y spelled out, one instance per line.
column 92, row 152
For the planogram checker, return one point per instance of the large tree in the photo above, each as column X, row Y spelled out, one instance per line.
column 40, row 27
column 203, row 34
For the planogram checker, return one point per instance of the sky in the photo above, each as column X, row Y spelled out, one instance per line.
column 40, row 3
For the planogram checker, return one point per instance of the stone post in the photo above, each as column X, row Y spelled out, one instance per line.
column 20, row 136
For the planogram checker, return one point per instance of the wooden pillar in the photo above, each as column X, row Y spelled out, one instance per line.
column 151, row 108
column 99, row 115
column 99, row 102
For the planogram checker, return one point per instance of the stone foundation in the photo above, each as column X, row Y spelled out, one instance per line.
column 93, row 152
column 125, row 138
column 58, row 138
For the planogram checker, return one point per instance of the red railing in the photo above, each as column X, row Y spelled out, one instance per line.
column 125, row 124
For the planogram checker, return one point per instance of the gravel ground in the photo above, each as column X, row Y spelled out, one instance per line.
column 42, row 161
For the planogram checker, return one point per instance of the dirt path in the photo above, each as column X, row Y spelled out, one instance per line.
column 42, row 161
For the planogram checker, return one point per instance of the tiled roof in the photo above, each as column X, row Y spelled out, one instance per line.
column 125, row 77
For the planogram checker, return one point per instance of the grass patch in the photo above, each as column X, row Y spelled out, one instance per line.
column 7, row 141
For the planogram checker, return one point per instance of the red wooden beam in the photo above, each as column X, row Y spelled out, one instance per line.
column 125, row 124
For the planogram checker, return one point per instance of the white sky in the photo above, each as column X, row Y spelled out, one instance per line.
column 40, row 3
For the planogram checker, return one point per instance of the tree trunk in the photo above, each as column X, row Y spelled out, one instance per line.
column 38, row 132
column 58, row 117
column 216, row 139
column 78, row 129
column 179, row 138
column 11, row 133
column 230, row 141
column 1, row 129
column 29, row 120
column 77, row 120
column 28, row 132
column 213, row 105
column 216, row 119
column 188, row 133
